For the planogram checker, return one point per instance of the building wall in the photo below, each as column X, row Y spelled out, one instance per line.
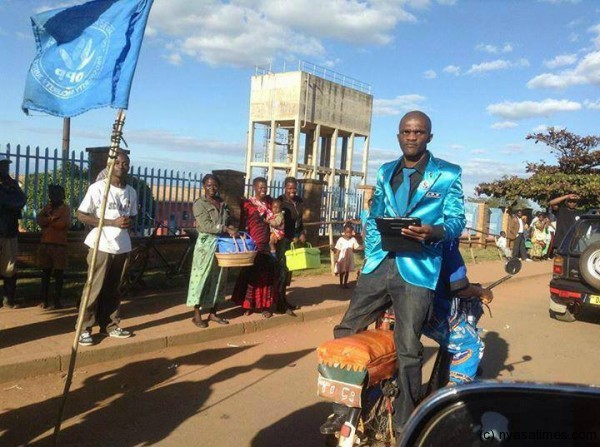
column 286, row 96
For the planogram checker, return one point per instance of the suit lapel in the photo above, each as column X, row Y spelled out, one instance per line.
column 430, row 176
column 387, row 185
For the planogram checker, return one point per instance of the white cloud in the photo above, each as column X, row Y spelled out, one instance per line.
column 25, row 36
column 430, row 74
column 255, row 32
column 346, row 20
column 504, row 125
column 527, row 109
column 595, row 30
column 493, row 49
column 541, row 128
column 556, row 2
column 176, row 143
column 479, row 170
column 498, row 64
column 513, row 148
column 55, row 5
column 331, row 63
column 457, row 147
column 595, row 105
column 561, row 60
column 478, row 151
column 398, row 105
column 544, row 128
column 587, row 71
column 452, row 69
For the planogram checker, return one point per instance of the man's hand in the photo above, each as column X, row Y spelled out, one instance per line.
column 122, row 222
column 573, row 197
column 422, row 233
column 486, row 295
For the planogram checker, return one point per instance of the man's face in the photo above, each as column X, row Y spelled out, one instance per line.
column 571, row 203
column 290, row 190
column 519, row 214
column 413, row 135
column 4, row 168
column 121, row 166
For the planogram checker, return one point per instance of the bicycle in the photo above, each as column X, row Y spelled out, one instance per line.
column 138, row 258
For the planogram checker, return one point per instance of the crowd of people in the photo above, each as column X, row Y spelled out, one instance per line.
column 416, row 281
column 538, row 240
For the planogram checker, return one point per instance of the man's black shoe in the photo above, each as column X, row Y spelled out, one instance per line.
column 333, row 424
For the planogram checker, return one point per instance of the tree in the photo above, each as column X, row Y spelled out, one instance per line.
column 577, row 171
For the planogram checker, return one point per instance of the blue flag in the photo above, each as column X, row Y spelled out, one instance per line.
column 86, row 56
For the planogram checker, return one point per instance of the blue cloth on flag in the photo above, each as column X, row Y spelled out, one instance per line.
column 86, row 56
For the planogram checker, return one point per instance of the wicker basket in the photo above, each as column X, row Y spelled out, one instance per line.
column 240, row 259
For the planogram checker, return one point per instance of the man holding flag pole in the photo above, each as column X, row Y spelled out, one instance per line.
column 86, row 57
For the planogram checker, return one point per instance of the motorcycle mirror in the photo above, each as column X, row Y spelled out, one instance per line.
column 511, row 414
column 513, row 266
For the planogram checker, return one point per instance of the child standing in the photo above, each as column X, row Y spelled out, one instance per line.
column 275, row 221
column 55, row 219
column 344, row 251
column 502, row 244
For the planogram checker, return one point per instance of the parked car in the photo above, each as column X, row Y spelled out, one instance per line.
column 576, row 270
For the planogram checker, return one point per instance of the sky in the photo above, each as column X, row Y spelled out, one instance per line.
column 487, row 72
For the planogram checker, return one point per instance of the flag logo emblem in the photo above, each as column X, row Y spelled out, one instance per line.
column 80, row 62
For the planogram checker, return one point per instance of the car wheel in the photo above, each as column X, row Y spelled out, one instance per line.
column 567, row 317
column 589, row 265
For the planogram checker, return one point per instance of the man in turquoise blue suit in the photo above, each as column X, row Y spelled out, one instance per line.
column 415, row 185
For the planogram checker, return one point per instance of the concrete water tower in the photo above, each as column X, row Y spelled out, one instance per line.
column 311, row 123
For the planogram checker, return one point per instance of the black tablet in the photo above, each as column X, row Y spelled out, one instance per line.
column 392, row 239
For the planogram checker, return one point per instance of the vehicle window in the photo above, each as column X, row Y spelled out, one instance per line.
column 586, row 232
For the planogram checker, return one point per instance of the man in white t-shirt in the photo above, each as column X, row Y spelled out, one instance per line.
column 115, row 244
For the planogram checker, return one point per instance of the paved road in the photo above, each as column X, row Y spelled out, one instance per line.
column 259, row 390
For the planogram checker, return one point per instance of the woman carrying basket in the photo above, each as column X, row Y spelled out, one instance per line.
column 256, row 286
column 212, row 219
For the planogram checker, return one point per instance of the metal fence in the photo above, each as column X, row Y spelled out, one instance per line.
column 37, row 168
column 337, row 205
column 164, row 195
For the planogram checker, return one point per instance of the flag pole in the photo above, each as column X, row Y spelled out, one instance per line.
column 66, row 138
column 112, row 155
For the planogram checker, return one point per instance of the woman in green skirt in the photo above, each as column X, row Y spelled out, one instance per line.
column 212, row 219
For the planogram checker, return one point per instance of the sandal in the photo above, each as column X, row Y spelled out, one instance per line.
column 216, row 319
column 200, row 323
column 247, row 312
column 267, row 314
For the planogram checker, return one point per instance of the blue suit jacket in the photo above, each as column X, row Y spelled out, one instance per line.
column 438, row 200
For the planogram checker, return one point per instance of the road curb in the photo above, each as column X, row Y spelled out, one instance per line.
column 38, row 366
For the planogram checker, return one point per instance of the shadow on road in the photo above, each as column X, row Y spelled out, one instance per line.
column 141, row 403
column 299, row 429
column 493, row 364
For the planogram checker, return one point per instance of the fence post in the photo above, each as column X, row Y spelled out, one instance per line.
column 312, row 198
column 232, row 191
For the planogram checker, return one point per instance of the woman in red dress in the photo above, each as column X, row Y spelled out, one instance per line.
column 256, row 287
